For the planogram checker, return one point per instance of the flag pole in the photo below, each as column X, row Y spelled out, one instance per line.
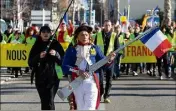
column 102, row 62
column 54, row 34
column 128, row 12
column 128, row 19
column 69, row 88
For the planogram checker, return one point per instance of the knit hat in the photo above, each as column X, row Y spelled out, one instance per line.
column 45, row 29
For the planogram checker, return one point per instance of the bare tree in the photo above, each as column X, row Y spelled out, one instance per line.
column 15, row 10
column 106, row 10
column 167, row 12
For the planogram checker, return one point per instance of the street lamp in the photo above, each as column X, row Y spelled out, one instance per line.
column 90, row 12
column 101, row 20
column 82, row 12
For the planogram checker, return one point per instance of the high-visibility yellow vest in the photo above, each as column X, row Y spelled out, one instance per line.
column 12, row 38
column 4, row 37
column 93, row 37
column 121, row 42
column 100, row 42
column 126, row 41
column 132, row 36
column 170, row 40
column 58, row 71
column 67, row 40
column 30, row 40
column 174, row 41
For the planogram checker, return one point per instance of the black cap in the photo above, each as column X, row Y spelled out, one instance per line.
column 83, row 28
column 45, row 29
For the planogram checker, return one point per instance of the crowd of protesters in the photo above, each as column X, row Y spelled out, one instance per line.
column 64, row 37
column 109, row 38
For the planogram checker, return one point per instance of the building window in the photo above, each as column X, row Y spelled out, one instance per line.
column 7, row 3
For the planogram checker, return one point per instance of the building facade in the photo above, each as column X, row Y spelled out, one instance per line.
column 138, row 7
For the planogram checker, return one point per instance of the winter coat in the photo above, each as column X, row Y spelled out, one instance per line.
column 44, row 68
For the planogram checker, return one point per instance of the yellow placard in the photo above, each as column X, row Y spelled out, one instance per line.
column 14, row 55
column 137, row 52
column 123, row 18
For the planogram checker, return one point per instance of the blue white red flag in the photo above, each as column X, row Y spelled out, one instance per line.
column 157, row 42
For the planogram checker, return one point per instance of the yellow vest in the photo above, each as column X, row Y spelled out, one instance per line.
column 67, row 40
column 171, row 41
column 121, row 42
column 30, row 40
column 100, row 42
column 4, row 37
column 58, row 71
column 174, row 41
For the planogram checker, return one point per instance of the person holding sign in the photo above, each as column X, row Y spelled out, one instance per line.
column 43, row 66
column 76, row 62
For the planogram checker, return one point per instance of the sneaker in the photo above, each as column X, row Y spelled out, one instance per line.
column 107, row 100
column 16, row 75
column 135, row 73
column 26, row 71
column 115, row 77
column 161, row 78
column 149, row 73
column 8, row 70
column 154, row 75
column 169, row 78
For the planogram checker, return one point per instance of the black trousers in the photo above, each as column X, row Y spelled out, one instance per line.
column 165, row 64
column 109, row 75
column 101, row 78
column 47, row 95
column 15, row 70
column 150, row 66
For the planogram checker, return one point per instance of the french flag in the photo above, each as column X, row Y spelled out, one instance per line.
column 157, row 42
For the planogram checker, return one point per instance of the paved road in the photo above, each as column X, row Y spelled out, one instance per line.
column 142, row 93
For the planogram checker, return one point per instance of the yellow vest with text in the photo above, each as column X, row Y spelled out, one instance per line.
column 100, row 42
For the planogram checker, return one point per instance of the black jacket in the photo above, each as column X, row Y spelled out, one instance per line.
column 1, row 37
column 44, row 69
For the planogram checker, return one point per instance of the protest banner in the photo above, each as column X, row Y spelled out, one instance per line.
column 14, row 55
column 137, row 52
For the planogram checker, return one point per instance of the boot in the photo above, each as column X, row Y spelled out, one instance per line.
column 16, row 74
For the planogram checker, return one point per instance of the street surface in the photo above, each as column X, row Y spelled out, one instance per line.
column 142, row 93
